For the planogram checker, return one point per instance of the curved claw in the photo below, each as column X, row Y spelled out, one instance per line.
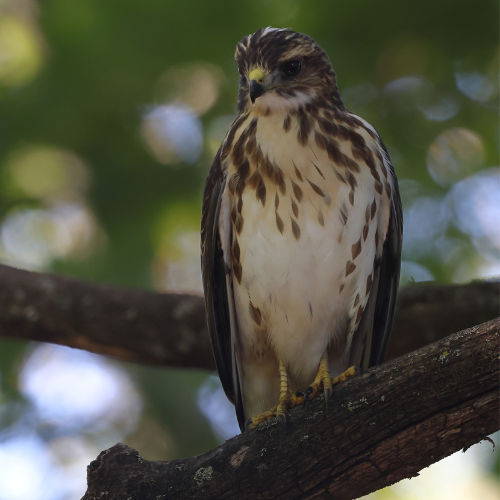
column 327, row 392
column 288, row 400
column 281, row 418
column 307, row 393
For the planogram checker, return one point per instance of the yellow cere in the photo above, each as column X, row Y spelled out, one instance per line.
column 256, row 74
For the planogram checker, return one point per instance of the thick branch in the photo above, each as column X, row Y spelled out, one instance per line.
column 378, row 428
column 427, row 312
column 133, row 325
column 169, row 329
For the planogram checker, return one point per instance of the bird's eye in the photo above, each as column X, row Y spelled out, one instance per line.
column 291, row 68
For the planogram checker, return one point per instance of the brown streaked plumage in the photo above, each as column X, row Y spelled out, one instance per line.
column 301, row 231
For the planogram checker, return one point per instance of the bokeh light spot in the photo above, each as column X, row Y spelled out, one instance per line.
column 20, row 52
column 475, row 85
column 71, row 388
column 195, row 85
column 172, row 133
column 406, row 92
column 25, row 470
column 425, row 221
column 177, row 260
column 439, row 108
column 213, row 403
column 32, row 238
column 177, row 266
column 454, row 154
column 475, row 208
column 47, row 172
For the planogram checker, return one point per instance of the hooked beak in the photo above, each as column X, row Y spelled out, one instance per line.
column 257, row 88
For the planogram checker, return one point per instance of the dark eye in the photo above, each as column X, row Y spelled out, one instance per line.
column 291, row 68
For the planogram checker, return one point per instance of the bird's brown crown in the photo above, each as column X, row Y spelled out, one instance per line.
column 292, row 63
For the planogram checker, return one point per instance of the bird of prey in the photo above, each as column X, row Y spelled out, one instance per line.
column 301, row 232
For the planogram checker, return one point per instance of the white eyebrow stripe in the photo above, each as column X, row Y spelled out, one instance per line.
column 270, row 29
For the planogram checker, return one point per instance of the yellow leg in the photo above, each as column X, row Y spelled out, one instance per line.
column 261, row 417
column 322, row 379
column 344, row 375
column 284, row 395
column 325, row 381
column 286, row 400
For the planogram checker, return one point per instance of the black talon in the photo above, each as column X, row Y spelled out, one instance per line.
column 328, row 394
column 248, row 422
column 281, row 418
column 308, row 392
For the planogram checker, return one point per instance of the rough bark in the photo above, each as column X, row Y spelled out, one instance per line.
column 378, row 428
column 128, row 324
column 427, row 312
column 169, row 329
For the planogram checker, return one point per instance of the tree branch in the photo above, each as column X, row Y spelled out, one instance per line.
column 169, row 329
column 378, row 428
column 133, row 325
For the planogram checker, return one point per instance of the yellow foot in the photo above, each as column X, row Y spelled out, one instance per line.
column 323, row 380
column 286, row 401
column 261, row 417
column 278, row 412
column 345, row 375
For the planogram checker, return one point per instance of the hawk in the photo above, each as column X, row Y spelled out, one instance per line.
column 301, row 232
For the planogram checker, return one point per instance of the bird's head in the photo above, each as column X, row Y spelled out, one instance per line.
column 282, row 70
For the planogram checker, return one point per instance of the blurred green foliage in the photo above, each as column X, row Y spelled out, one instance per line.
column 102, row 59
column 92, row 72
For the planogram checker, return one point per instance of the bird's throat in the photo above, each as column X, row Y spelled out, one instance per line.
column 272, row 103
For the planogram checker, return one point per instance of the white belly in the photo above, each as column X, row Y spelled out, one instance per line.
column 300, row 293
column 299, row 285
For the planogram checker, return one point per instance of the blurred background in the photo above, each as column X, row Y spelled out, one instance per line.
column 110, row 114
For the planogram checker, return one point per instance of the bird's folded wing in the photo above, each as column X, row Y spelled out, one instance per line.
column 374, row 329
column 219, row 301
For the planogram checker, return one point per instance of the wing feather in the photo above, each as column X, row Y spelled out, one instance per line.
column 388, row 280
column 373, row 332
column 217, row 285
